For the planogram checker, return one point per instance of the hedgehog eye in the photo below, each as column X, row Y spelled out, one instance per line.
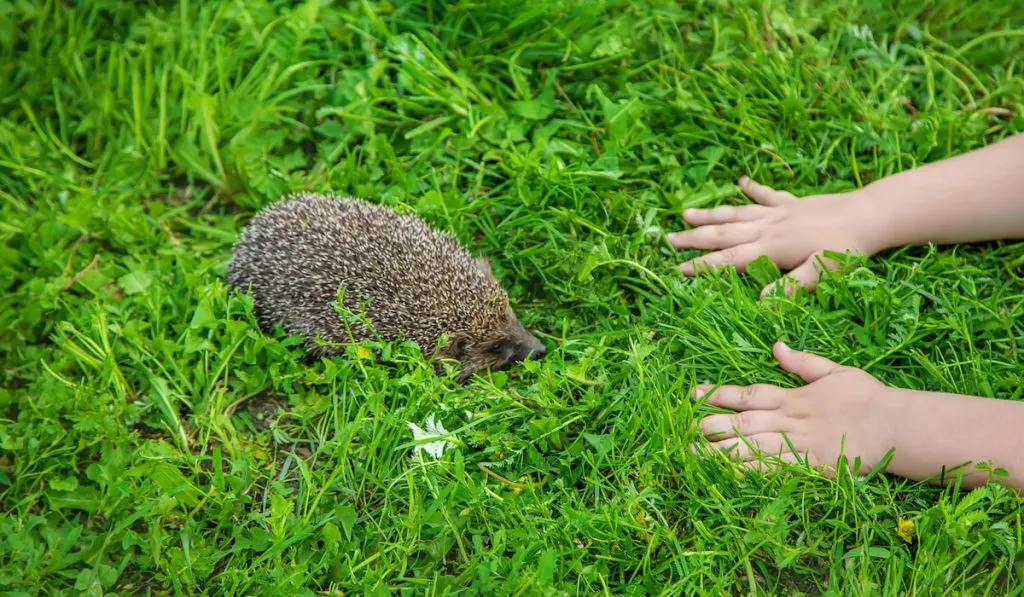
column 461, row 345
column 496, row 348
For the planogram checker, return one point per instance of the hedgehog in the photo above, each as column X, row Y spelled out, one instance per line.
column 398, row 276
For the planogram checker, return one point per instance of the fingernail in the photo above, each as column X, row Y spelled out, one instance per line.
column 687, row 268
column 689, row 211
column 699, row 391
column 785, row 347
column 744, row 180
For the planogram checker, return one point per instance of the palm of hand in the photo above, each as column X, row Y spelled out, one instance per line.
column 793, row 234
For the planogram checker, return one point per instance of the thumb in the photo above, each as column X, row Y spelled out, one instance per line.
column 764, row 194
column 806, row 274
column 808, row 366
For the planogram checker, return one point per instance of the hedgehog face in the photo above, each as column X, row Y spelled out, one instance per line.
column 497, row 339
column 499, row 348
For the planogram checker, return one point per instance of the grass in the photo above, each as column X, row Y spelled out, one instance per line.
column 153, row 441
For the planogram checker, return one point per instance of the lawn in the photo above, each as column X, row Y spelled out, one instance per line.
column 153, row 440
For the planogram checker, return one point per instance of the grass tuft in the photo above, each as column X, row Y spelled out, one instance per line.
column 152, row 440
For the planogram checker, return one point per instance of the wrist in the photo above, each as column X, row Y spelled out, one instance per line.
column 900, row 431
column 874, row 219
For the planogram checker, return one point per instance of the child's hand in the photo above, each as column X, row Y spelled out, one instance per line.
column 793, row 233
column 838, row 401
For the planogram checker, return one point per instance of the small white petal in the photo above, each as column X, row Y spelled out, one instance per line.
column 434, row 429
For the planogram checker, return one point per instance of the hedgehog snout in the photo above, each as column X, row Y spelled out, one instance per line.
column 524, row 345
column 533, row 349
column 516, row 351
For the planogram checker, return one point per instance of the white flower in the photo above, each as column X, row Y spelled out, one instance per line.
column 434, row 429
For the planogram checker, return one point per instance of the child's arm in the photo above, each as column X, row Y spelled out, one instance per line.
column 977, row 196
column 972, row 197
column 949, row 430
column 844, row 408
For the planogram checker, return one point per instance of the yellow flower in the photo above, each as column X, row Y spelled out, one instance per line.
column 905, row 529
column 258, row 452
column 363, row 352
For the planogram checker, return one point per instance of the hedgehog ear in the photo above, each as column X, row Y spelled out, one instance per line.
column 485, row 267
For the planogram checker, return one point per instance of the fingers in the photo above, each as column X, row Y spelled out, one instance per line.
column 751, row 447
column 761, row 451
column 741, row 398
column 737, row 256
column 764, row 466
column 713, row 237
column 723, row 214
column 718, row 428
column 764, row 194
column 809, row 367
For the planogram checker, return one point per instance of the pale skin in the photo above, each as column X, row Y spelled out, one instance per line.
column 977, row 196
